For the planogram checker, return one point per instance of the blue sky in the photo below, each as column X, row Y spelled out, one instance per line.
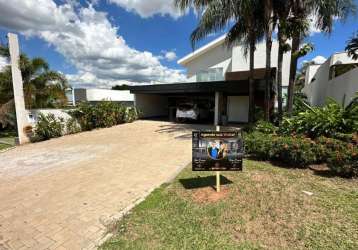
column 146, row 32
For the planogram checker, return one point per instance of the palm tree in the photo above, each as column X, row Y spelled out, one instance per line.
column 43, row 88
column 268, row 27
column 352, row 47
column 246, row 28
column 326, row 12
column 248, row 31
column 281, row 10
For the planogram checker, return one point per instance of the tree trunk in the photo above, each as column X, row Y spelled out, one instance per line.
column 279, row 75
column 268, row 78
column 252, row 83
column 293, row 69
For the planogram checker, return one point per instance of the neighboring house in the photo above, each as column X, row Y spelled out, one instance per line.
column 97, row 95
column 336, row 78
column 217, row 79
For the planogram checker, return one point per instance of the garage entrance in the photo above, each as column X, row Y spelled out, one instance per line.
column 200, row 102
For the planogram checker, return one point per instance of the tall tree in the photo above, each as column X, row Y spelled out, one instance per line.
column 281, row 10
column 325, row 12
column 268, row 27
column 245, row 28
column 352, row 47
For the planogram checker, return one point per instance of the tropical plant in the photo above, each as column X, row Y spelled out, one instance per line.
column 43, row 88
column 268, row 28
column 352, row 47
column 48, row 126
column 328, row 120
column 341, row 157
column 72, row 126
column 325, row 12
column 245, row 27
column 102, row 115
column 281, row 10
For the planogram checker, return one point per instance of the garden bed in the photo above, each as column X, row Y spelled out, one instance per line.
column 263, row 207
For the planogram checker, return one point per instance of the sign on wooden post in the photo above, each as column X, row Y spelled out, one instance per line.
column 217, row 151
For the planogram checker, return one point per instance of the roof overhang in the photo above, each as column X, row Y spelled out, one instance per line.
column 202, row 50
column 235, row 87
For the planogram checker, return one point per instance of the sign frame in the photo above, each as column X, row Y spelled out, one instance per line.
column 217, row 150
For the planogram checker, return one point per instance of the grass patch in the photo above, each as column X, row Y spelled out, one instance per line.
column 262, row 207
column 4, row 146
column 7, row 139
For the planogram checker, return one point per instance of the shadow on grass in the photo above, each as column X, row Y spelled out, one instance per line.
column 200, row 182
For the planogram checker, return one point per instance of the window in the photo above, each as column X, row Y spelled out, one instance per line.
column 210, row 75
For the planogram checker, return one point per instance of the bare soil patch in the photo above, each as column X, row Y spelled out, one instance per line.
column 209, row 195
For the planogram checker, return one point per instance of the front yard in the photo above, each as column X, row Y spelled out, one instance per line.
column 264, row 207
column 7, row 139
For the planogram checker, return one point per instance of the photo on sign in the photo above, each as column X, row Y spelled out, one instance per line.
column 219, row 151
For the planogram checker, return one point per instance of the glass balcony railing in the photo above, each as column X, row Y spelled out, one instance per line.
column 210, row 75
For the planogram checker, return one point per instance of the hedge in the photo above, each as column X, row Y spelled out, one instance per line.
column 341, row 157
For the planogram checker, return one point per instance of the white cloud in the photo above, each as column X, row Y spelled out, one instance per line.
column 3, row 63
column 319, row 59
column 148, row 8
column 167, row 55
column 88, row 40
column 170, row 55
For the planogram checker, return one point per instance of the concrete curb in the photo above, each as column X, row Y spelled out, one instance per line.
column 116, row 217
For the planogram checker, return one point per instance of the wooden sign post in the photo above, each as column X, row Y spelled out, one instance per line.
column 218, row 172
column 217, row 151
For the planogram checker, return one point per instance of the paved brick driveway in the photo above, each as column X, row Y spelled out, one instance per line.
column 61, row 193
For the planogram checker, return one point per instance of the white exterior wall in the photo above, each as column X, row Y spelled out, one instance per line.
column 238, row 108
column 316, row 90
column 240, row 63
column 94, row 95
column 151, row 105
column 341, row 57
column 310, row 73
column 218, row 57
column 341, row 88
column 233, row 59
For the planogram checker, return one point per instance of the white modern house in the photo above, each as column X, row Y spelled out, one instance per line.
column 218, row 78
column 336, row 78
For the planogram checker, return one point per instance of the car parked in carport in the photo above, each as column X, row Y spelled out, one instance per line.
column 191, row 111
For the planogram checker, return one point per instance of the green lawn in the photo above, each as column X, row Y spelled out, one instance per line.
column 7, row 139
column 262, row 208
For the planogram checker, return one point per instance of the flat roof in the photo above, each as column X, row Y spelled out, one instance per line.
column 235, row 87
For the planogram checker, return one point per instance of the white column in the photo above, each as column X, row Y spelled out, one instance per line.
column 217, row 108
column 21, row 113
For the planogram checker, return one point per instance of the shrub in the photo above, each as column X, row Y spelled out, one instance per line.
column 48, row 127
column 297, row 151
column 265, row 127
column 341, row 157
column 72, row 126
column 103, row 114
column 330, row 120
column 131, row 114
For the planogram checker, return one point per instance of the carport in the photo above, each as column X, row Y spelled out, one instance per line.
column 229, row 99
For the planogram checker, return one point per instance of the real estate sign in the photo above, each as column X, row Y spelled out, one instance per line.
column 217, row 151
